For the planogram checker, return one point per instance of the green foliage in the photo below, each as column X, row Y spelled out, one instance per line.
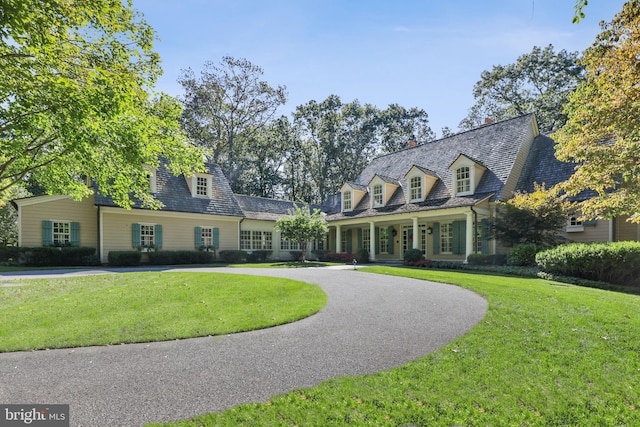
column 124, row 258
column 537, row 217
column 617, row 262
column 539, row 81
column 602, row 134
column 362, row 256
column 412, row 255
column 57, row 256
column 232, row 256
column 76, row 81
column 180, row 257
column 302, row 227
column 579, row 11
column 258, row 256
column 9, row 254
column 524, row 254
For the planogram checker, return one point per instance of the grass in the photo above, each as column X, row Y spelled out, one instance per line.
column 143, row 307
column 546, row 354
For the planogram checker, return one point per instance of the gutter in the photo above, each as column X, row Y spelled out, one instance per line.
column 475, row 230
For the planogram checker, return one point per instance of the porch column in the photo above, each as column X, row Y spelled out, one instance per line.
column 470, row 231
column 372, row 241
column 338, row 239
column 416, row 239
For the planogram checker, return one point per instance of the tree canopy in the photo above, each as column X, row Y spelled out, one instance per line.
column 75, row 85
column 602, row 134
column 302, row 226
column 539, row 81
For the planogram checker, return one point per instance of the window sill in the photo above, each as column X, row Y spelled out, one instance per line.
column 575, row 229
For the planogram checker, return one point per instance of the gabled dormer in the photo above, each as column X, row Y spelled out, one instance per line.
column 382, row 188
column 352, row 194
column 467, row 173
column 420, row 181
column 200, row 185
column 151, row 173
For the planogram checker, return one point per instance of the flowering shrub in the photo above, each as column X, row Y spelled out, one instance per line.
column 424, row 263
column 339, row 257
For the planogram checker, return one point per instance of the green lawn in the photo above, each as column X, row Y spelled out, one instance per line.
column 142, row 307
column 546, row 354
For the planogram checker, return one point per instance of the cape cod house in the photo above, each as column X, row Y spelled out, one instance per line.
column 436, row 197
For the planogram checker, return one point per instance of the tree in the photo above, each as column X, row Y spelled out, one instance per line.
column 9, row 217
column 302, row 226
column 539, row 81
column 76, row 103
column 602, row 134
column 536, row 217
column 579, row 10
column 225, row 107
column 397, row 126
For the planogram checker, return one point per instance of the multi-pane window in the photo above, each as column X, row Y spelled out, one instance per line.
column 287, row 245
column 256, row 240
column 446, row 238
column 207, row 236
column 377, row 196
column 366, row 238
column 344, row 239
column 201, row 186
column 147, row 235
column 384, row 240
column 463, row 180
column 416, row 188
column 574, row 222
column 61, row 233
column 346, row 201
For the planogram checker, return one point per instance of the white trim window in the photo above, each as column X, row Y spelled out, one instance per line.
column 384, row 241
column 287, row 245
column 61, row 233
column 147, row 235
column 346, row 201
column 202, row 187
column 415, row 188
column 463, row 180
column 256, row 240
column 446, row 238
column 378, row 200
column 366, row 238
column 206, row 234
column 574, row 225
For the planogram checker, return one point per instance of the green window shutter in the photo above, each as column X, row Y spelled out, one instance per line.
column 349, row 241
column 377, row 239
column 436, row 238
column 216, row 237
column 360, row 238
column 484, row 236
column 459, row 237
column 47, row 233
column 157, row 231
column 198, row 237
column 135, row 235
column 75, row 234
column 390, row 240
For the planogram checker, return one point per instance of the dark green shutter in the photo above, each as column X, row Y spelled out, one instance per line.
column 377, row 239
column 349, row 243
column 436, row 238
column 157, row 231
column 216, row 237
column 590, row 223
column 459, row 237
column 135, row 235
column 484, row 236
column 47, row 233
column 198, row 237
column 360, row 239
column 390, row 240
column 75, row 234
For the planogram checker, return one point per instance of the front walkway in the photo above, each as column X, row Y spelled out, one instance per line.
column 371, row 323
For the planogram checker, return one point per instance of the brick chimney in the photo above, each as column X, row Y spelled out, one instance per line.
column 412, row 143
column 488, row 121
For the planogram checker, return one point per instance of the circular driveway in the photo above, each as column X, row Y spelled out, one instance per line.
column 371, row 323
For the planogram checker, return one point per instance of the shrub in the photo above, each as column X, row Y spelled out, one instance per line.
column 524, row 254
column 232, row 256
column 617, row 262
column 339, row 257
column 180, row 257
column 321, row 254
column 478, row 259
column 258, row 256
column 296, row 255
column 124, row 258
column 362, row 256
column 424, row 263
column 9, row 253
column 50, row 256
column 413, row 255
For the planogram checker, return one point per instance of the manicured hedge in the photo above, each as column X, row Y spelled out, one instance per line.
column 258, row 256
column 180, row 257
column 232, row 256
column 124, row 258
column 413, row 255
column 617, row 262
column 524, row 254
column 51, row 256
column 9, row 254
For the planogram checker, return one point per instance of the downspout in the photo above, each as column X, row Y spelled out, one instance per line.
column 240, row 232
column 99, row 248
column 475, row 230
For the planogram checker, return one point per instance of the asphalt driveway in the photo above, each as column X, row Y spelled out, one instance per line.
column 371, row 323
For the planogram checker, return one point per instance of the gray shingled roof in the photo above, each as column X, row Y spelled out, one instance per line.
column 266, row 209
column 173, row 192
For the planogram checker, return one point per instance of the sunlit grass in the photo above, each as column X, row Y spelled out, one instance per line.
column 142, row 307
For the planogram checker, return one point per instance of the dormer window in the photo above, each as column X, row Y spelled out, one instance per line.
column 415, row 188
column 151, row 178
column 378, row 200
column 463, row 180
column 201, row 185
column 346, row 201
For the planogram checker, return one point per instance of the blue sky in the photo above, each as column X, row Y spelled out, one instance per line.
column 416, row 53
